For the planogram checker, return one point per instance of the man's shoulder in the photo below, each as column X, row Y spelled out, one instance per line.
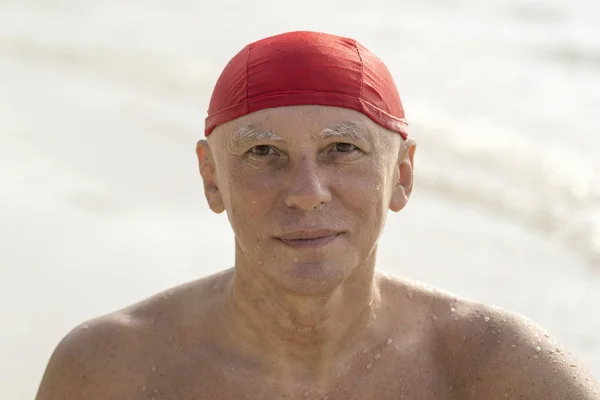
column 494, row 353
column 90, row 357
column 489, row 352
column 105, row 355
column 136, row 321
column 96, row 339
column 505, row 354
column 463, row 320
column 156, row 311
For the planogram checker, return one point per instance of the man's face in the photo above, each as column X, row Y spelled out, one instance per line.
column 306, row 190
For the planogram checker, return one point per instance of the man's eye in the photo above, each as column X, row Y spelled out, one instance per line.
column 262, row 150
column 344, row 147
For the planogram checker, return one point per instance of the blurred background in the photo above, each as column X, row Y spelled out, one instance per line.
column 102, row 102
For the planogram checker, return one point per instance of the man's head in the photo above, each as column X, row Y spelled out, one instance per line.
column 307, row 178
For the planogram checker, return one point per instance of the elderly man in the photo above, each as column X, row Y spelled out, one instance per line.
column 306, row 151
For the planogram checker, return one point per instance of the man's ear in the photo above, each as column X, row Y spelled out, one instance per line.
column 404, row 175
column 206, row 164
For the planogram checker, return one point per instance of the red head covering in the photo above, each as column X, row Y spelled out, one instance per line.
column 306, row 68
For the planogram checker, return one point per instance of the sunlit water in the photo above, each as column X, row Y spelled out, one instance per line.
column 101, row 103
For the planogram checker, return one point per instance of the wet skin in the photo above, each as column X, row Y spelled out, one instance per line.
column 304, row 313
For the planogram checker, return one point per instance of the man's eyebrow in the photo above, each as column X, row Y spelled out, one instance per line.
column 344, row 130
column 247, row 134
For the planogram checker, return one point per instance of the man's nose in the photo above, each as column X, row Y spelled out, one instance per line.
column 308, row 189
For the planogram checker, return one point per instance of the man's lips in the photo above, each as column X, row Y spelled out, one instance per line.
column 306, row 238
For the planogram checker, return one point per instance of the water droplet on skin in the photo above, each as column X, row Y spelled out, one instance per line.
column 322, row 283
column 389, row 341
column 369, row 366
column 374, row 317
column 452, row 309
column 85, row 327
column 154, row 368
column 486, row 318
column 260, row 262
column 433, row 317
column 464, row 338
column 364, row 351
column 538, row 349
column 306, row 393
column 295, row 260
column 337, row 375
column 377, row 356
column 143, row 388
column 216, row 287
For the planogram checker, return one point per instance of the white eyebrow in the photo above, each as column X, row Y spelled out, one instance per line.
column 345, row 130
column 246, row 134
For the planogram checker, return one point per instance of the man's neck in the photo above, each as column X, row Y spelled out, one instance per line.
column 290, row 328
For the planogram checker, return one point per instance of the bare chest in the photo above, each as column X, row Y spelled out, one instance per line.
column 370, row 377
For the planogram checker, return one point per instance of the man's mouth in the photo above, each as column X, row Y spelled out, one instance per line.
column 312, row 238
